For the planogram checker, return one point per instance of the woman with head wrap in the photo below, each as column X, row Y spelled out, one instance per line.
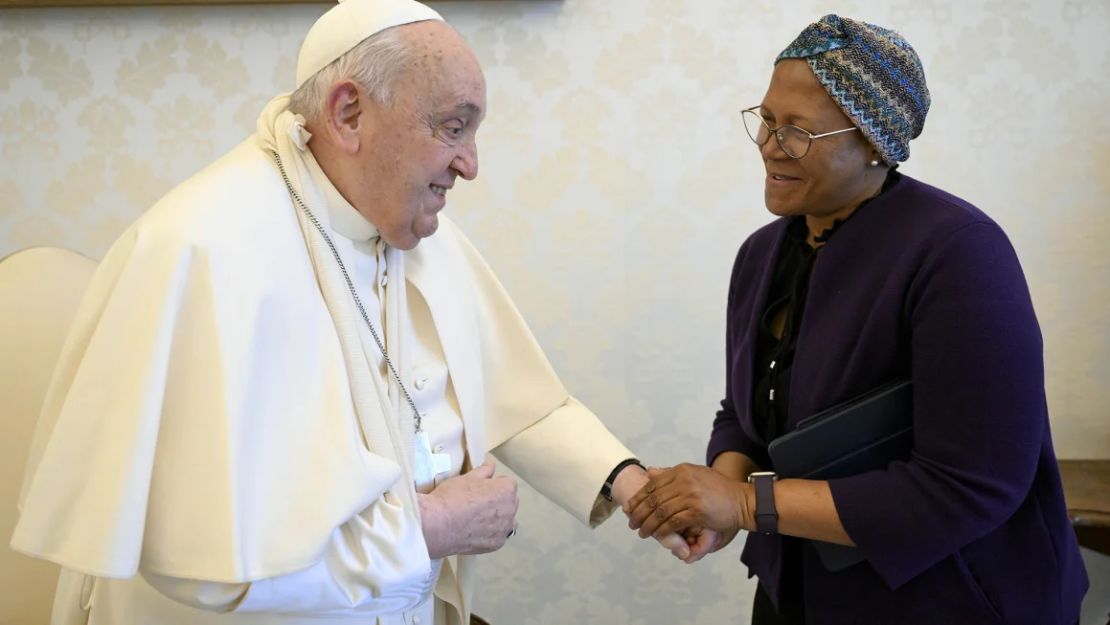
column 870, row 276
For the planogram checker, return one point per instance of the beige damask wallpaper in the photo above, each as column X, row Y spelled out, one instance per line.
column 616, row 185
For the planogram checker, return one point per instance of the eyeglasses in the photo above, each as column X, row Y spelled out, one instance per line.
column 794, row 141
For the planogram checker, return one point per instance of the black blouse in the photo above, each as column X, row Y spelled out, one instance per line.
column 774, row 357
column 774, row 360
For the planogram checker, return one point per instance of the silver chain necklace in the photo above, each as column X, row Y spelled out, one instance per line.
column 350, row 286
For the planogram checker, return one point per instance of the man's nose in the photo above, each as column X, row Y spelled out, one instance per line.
column 466, row 162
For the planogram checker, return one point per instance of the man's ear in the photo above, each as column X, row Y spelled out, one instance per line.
column 343, row 108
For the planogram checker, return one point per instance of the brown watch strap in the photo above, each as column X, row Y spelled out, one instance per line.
column 766, row 515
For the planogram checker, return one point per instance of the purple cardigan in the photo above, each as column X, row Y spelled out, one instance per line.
column 972, row 529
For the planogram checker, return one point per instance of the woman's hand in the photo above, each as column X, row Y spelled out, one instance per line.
column 628, row 483
column 691, row 499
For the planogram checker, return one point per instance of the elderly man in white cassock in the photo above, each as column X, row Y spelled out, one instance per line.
column 277, row 397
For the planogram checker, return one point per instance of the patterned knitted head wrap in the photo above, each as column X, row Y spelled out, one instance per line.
column 873, row 74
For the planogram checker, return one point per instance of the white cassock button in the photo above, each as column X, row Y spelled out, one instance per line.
column 421, row 383
column 415, row 620
column 385, row 280
column 438, row 449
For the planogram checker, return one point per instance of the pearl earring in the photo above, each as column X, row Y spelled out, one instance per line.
column 875, row 163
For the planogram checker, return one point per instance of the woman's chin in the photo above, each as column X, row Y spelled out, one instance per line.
column 781, row 209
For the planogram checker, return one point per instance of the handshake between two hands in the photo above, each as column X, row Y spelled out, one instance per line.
column 690, row 510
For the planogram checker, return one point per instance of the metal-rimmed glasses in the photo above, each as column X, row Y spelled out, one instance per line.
column 794, row 141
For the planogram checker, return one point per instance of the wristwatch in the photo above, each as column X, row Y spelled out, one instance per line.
column 607, row 488
column 766, row 516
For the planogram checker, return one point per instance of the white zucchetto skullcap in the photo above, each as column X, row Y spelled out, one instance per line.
column 348, row 23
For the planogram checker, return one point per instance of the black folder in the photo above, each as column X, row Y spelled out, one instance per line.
column 863, row 434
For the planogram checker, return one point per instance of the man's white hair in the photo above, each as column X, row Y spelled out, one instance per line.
column 375, row 63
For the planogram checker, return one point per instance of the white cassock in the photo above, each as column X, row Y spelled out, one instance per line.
column 221, row 428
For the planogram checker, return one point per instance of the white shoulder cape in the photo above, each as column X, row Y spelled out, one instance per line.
column 200, row 422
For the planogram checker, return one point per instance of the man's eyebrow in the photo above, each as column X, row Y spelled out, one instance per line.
column 468, row 108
